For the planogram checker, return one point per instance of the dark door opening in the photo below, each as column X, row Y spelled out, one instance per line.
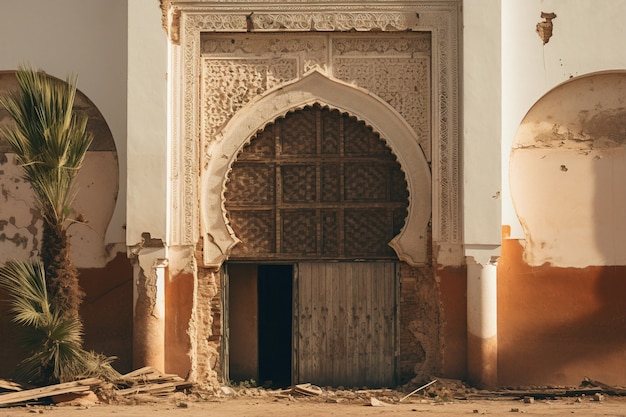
column 260, row 316
column 275, row 287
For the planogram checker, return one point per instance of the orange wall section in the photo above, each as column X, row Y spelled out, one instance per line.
column 178, row 309
column 453, row 287
column 107, row 310
column 559, row 325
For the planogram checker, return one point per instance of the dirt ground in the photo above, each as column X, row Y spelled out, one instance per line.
column 248, row 407
column 372, row 403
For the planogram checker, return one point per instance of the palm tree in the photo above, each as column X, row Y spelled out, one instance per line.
column 50, row 141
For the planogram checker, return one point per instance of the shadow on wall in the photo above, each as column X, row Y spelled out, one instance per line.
column 562, row 315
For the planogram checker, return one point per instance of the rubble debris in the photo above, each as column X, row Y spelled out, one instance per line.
column 606, row 389
column 228, row 391
column 148, row 380
column 143, row 381
column 83, row 399
column 418, row 389
column 377, row 403
column 148, row 385
column 307, row 389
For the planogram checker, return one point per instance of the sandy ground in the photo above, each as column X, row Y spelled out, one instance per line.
column 182, row 406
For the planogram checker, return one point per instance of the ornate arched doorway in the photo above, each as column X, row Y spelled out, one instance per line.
column 314, row 199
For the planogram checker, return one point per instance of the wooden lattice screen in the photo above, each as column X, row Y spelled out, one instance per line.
column 316, row 184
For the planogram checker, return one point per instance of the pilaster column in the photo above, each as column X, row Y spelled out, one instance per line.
column 482, row 323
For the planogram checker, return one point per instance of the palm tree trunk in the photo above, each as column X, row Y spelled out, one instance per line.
column 61, row 274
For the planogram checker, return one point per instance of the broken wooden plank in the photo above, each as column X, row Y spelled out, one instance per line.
column 48, row 391
column 10, row 385
column 307, row 389
column 142, row 372
column 418, row 389
column 146, row 388
column 575, row 392
column 150, row 372
column 608, row 389
column 146, row 374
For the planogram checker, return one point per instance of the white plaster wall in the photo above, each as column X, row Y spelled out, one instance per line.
column 576, row 219
column 83, row 37
column 481, row 114
column 588, row 36
column 147, row 122
column 20, row 236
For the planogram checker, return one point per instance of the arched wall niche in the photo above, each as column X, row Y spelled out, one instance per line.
column 568, row 173
column 316, row 88
column 97, row 187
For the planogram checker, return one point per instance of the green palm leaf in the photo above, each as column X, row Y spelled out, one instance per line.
column 54, row 341
column 49, row 139
column 25, row 283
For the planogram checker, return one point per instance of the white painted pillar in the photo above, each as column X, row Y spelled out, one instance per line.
column 482, row 181
column 482, row 323
column 147, row 178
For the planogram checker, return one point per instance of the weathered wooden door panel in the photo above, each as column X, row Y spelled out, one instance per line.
column 346, row 319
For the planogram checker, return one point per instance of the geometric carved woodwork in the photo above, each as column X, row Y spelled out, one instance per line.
column 316, row 184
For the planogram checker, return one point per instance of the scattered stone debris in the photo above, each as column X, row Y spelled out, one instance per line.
column 307, row 389
column 377, row 403
column 148, row 385
column 418, row 389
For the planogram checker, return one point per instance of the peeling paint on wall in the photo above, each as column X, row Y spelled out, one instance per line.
column 544, row 29
column 568, row 173
column 97, row 188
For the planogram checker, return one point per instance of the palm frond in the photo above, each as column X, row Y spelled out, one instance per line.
column 56, row 349
column 49, row 139
column 25, row 283
column 53, row 341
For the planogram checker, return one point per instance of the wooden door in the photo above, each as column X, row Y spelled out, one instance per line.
column 345, row 324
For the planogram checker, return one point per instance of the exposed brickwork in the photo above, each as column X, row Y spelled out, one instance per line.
column 420, row 325
column 206, row 329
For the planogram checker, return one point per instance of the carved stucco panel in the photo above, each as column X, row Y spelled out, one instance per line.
column 397, row 69
column 404, row 83
column 230, row 84
column 438, row 18
column 445, row 159
column 333, row 22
